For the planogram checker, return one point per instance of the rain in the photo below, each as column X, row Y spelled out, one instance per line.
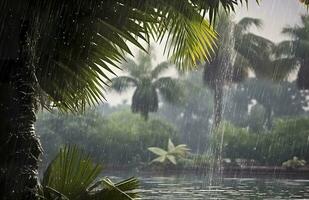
column 143, row 99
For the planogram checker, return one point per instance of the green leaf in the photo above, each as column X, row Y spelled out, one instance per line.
column 172, row 159
column 158, row 151
column 170, row 146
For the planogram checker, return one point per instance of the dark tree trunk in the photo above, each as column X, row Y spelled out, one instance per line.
column 218, row 105
column 302, row 76
column 20, row 148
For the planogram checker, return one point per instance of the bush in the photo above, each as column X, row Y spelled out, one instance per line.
column 121, row 138
column 294, row 163
column 288, row 138
column 236, row 142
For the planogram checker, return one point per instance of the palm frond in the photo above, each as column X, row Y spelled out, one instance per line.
column 122, row 83
column 142, row 67
column 70, row 173
column 145, row 99
column 170, row 145
column 190, row 43
column 158, row 151
column 124, row 190
column 169, row 89
column 246, row 23
column 173, row 152
column 79, row 47
column 71, row 176
column 285, row 48
column 283, row 67
column 159, row 69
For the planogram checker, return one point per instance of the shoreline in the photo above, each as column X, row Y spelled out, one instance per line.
column 277, row 172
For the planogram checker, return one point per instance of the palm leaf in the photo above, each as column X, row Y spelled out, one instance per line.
column 122, row 83
column 159, row 69
column 79, row 47
column 172, row 159
column 124, row 190
column 70, row 173
column 170, row 145
column 246, row 23
column 160, row 159
column 169, row 89
column 158, row 151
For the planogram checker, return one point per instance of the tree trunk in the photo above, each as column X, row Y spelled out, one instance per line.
column 20, row 147
column 302, row 76
column 218, row 105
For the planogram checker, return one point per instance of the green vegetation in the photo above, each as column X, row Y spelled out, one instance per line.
column 147, row 83
column 60, row 54
column 117, row 139
column 73, row 175
column 223, row 69
column 297, row 49
column 172, row 154
column 266, row 94
column 288, row 138
column 294, row 163
column 121, row 139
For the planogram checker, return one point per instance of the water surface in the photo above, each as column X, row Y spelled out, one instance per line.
column 193, row 187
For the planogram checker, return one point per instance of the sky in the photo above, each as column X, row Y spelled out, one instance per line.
column 275, row 15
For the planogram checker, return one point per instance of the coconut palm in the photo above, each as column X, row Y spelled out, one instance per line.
column 251, row 52
column 57, row 53
column 148, row 85
column 227, row 65
column 298, row 48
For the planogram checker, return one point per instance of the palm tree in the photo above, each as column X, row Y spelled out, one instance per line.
column 148, row 84
column 227, row 65
column 298, row 48
column 251, row 52
column 57, row 52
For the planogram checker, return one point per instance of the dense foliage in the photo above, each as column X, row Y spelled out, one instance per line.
column 148, row 84
column 72, row 175
column 121, row 138
column 289, row 137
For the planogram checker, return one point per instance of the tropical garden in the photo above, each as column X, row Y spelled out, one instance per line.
column 232, row 99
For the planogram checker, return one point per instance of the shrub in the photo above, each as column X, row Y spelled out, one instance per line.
column 294, row 163
column 121, row 138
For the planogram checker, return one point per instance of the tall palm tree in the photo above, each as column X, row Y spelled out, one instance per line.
column 240, row 52
column 298, row 48
column 148, row 85
column 227, row 65
column 59, row 51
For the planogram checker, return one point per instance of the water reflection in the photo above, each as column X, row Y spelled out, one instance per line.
column 197, row 187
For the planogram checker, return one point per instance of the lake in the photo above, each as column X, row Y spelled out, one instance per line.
column 196, row 187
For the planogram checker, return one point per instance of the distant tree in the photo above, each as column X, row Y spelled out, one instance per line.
column 224, row 67
column 148, row 85
column 278, row 99
column 193, row 114
column 298, row 48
